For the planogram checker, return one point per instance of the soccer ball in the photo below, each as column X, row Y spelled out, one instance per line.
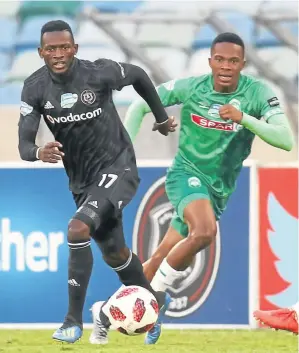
column 132, row 310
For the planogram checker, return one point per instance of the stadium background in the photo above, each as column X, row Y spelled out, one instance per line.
column 169, row 39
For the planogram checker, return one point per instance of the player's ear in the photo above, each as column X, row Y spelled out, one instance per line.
column 243, row 64
column 210, row 62
column 40, row 53
column 76, row 46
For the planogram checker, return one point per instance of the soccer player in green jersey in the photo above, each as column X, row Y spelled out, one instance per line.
column 221, row 114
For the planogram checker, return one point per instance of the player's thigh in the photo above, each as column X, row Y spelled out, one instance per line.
column 200, row 218
column 106, row 198
column 182, row 188
column 193, row 203
column 118, row 184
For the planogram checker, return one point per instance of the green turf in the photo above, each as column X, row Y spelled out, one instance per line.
column 264, row 341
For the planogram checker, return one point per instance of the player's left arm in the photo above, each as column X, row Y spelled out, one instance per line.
column 274, row 129
column 120, row 75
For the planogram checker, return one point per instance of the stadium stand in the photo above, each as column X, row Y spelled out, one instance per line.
column 169, row 40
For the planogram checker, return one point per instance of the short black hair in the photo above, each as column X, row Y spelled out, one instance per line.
column 228, row 37
column 55, row 26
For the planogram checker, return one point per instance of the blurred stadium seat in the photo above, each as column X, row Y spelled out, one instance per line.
column 24, row 65
column 10, row 93
column 92, row 53
column 98, row 37
column 198, row 63
column 114, row 6
column 9, row 8
column 276, row 57
column 29, row 35
column 166, row 35
column 172, row 60
column 30, row 9
column 9, row 27
column 175, row 44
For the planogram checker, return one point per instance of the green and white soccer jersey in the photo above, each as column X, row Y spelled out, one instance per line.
column 210, row 148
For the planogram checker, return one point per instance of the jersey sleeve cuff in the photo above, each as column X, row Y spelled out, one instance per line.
column 36, row 154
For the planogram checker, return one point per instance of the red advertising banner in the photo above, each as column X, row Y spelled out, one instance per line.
column 278, row 203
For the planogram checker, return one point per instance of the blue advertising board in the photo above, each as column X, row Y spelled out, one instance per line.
column 35, row 208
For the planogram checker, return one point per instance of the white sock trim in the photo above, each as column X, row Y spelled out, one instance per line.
column 165, row 277
column 75, row 246
column 122, row 267
column 169, row 271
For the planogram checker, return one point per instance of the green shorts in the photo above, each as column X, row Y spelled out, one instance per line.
column 184, row 187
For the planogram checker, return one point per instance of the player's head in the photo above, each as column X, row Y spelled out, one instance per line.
column 227, row 61
column 57, row 46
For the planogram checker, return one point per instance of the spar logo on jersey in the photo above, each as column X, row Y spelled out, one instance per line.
column 215, row 125
column 70, row 118
column 153, row 218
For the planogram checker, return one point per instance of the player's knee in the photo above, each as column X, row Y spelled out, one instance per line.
column 116, row 259
column 77, row 230
column 202, row 235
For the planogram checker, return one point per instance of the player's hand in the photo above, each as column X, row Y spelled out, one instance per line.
column 168, row 126
column 50, row 152
column 229, row 112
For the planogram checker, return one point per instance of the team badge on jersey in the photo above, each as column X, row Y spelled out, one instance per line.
column 273, row 102
column 194, row 182
column 214, row 110
column 88, row 97
column 68, row 100
column 153, row 219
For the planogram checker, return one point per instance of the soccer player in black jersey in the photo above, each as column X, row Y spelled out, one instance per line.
column 75, row 99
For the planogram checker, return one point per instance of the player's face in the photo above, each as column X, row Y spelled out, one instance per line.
column 58, row 50
column 226, row 62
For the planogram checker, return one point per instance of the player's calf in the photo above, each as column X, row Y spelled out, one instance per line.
column 79, row 271
column 125, row 263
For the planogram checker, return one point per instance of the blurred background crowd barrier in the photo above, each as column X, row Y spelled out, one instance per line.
column 169, row 39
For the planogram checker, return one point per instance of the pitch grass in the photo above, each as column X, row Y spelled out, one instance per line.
column 263, row 341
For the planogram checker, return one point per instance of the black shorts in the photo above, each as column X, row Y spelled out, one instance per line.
column 115, row 186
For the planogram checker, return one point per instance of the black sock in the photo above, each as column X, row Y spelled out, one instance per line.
column 80, row 267
column 104, row 318
column 131, row 274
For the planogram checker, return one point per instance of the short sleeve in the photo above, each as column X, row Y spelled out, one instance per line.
column 175, row 91
column 116, row 74
column 268, row 103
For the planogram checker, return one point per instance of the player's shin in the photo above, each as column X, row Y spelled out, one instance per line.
column 79, row 270
column 130, row 271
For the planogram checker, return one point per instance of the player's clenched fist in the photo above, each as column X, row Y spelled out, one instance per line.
column 229, row 112
column 167, row 126
column 50, row 152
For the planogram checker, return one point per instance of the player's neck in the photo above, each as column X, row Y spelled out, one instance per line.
column 222, row 89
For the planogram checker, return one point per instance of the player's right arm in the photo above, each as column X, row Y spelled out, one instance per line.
column 30, row 115
column 170, row 93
